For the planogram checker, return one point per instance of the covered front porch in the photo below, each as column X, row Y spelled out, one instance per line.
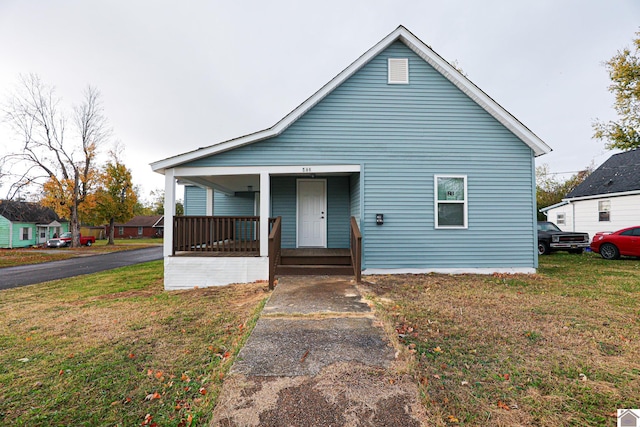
column 249, row 224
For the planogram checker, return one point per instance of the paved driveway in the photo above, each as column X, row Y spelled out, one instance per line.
column 12, row 277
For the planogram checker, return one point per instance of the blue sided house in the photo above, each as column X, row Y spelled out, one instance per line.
column 399, row 164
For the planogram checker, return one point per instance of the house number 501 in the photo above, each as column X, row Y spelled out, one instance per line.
column 306, row 170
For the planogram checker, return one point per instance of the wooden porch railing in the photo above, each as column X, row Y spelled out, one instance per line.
column 216, row 234
column 356, row 249
column 275, row 246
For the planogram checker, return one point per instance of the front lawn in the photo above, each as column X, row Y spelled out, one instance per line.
column 115, row 349
column 558, row 348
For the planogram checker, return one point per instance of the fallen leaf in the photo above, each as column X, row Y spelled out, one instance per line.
column 114, row 403
column 185, row 378
column 464, row 383
column 505, row 376
column 202, row 391
column 453, row 419
column 149, row 372
column 23, row 360
column 437, row 349
column 132, row 356
column 503, row 405
column 158, row 374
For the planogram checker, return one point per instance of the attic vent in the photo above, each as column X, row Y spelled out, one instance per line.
column 398, row 70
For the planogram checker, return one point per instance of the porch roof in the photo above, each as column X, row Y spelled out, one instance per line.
column 412, row 42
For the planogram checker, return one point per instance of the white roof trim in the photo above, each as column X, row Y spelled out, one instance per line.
column 557, row 205
column 422, row 50
column 603, row 196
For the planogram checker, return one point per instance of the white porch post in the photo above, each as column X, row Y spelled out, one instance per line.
column 264, row 213
column 209, row 201
column 169, row 210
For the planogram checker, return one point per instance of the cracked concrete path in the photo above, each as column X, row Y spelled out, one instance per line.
column 318, row 357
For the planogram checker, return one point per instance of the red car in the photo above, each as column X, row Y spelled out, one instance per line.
column 621, row 242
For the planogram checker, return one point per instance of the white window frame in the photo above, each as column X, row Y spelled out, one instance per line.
column 391, row 63
column 140, row 231
column 120, row 231
column 561, row 218
column 29, row 233
column 464, row 202
column 602, row 209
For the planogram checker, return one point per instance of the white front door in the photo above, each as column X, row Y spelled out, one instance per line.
column 312, row 209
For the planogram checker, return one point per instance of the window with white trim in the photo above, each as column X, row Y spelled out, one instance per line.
column 604, row 211
column 25, row 233
column 398, row 71
column 140, row 230
column 561, row 218
column 450, row 201
column 120, row 231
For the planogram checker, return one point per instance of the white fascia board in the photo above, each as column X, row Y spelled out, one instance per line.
column 557, row 205
column 416, row 45
column 205, row 184
column 602, row 196
column 186, row 172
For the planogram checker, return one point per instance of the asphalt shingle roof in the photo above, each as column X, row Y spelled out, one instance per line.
column 27, row 212
column 619, row 174
column 140, row 221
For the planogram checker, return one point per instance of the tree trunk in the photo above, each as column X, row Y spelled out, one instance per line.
column 111, row 222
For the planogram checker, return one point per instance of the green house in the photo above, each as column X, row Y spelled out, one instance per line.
column 24, row 224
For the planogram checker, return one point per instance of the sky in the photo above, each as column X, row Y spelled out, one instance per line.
column 179, row 75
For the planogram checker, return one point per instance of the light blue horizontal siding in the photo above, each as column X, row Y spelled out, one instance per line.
column 338, row 211
column 402, row 135
column 195, row 201
column 354, row 192
column 283, row 203
column 240, row 204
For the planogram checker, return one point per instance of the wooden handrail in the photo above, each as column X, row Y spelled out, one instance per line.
column 275, row 246
column 356, row 249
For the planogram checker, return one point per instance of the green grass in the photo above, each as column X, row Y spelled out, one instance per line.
column 110, row 348
column 556, row 348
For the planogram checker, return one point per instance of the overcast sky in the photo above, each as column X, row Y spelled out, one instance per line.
column 178, row 75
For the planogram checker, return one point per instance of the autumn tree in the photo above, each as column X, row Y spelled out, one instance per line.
column 551, row 190
column 115, row 196
column 624, row 72
column 60, row 160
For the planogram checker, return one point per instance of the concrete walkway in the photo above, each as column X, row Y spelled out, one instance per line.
column 318, row 357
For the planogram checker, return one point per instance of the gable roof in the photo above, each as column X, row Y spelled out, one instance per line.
column 141, row 221
column 416, row 45
column 619, row 174
column 16, row 211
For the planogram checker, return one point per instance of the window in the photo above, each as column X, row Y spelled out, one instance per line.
column 398, row 71
column 604, row 210
column 25, row 233
column 561, row 219
column 139, row 231
column 631, row 232
column 450, row 201
column 120, row 231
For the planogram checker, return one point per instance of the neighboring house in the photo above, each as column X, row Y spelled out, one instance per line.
column 400, row 147
column 607, row 200
column 24, row 224
column 138, row 227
